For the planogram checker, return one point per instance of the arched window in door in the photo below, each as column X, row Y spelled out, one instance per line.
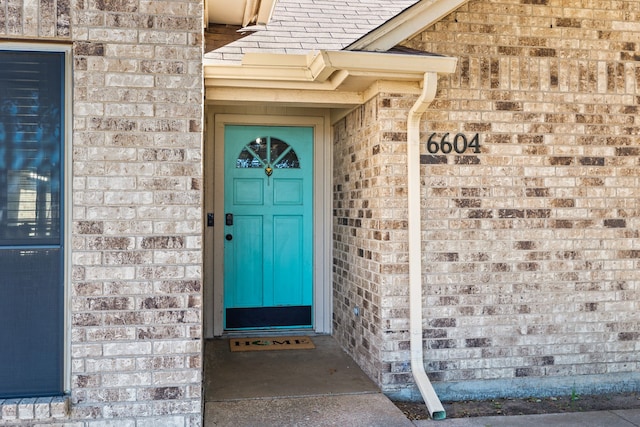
column 268, row 152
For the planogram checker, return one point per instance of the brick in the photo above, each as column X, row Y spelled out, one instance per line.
column 551, row 123
column 123, row 131
column 553, row 98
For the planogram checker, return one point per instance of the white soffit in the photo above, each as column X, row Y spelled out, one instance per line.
column 327, row 78
column 406, row 25
column 239, row 12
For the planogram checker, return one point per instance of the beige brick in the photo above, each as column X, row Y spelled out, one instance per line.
column 537, row 206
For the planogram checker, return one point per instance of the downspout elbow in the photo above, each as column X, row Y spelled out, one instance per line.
column 436, row 410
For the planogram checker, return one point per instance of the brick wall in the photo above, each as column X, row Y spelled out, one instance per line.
column 136, row 262
column 35, row 20
column 532, row 245
column 370, row 237
column 355, row 273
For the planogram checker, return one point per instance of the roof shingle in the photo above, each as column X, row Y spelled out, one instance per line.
column 301, row 26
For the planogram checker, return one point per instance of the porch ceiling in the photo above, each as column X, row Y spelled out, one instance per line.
column 336, row 79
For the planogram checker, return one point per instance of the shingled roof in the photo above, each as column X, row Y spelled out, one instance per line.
column 302, row 26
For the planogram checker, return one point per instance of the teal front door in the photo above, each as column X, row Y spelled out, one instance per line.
column 268, row 227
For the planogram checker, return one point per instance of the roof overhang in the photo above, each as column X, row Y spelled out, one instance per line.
column 332, row 79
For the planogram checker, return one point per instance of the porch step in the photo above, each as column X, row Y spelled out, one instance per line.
column 354, row 410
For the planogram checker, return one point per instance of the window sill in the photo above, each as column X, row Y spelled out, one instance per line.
column 34, row 409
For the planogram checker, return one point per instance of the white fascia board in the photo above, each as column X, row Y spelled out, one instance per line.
column 406, row 25
column 256, row 59
column 391, row 63
column 266, row 11
column 218, row 12
column 270, row 66
column 328, row 99
column 329, row 85
column 239, row 12
column 238, row 72
column 319, row 67
column 314, row 64
column 286, row 97
column 340, row 59
column 325, row 78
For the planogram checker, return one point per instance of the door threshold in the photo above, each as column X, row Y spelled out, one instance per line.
column 270, row 333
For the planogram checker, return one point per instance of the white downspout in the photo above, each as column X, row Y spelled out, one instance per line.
column 432, row 401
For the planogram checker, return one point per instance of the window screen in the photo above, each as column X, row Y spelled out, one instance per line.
column 31, row 232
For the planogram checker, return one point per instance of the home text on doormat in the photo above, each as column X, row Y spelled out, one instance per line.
column 271, row 343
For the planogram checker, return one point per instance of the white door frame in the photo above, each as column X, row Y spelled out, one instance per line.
column 214, row 203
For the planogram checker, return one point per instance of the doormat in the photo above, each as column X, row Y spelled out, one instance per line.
column 271, row 343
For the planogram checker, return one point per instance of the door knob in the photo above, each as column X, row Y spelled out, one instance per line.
column 229, row 237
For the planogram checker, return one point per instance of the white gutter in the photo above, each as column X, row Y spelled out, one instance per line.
column 325, row 78
column 432, row 401
column 318, row 67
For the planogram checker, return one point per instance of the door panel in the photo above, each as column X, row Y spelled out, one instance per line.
column 268, row 248
column 288, row 269
column 247, row 254
column 248, row 192
column 287, row 192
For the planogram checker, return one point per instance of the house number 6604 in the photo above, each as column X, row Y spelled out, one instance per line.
column 458, row 143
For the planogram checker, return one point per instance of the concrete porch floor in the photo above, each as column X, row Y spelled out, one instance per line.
column 319, row 387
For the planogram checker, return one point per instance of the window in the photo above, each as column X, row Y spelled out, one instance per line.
column 267, row 151
column 32, row 92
